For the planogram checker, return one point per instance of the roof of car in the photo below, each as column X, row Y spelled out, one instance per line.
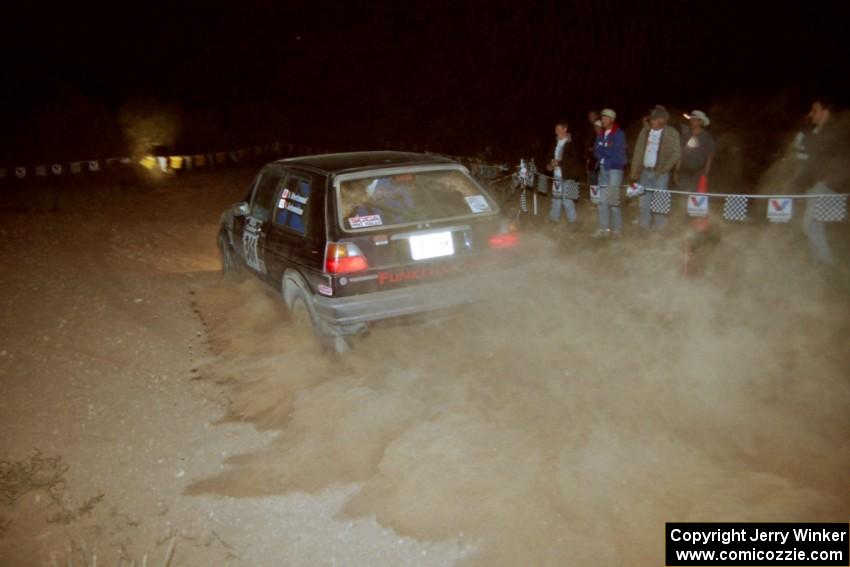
column 354, row 161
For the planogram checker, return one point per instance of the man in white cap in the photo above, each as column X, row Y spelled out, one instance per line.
column 610, row 150
column 697, row 151
column 657, row 153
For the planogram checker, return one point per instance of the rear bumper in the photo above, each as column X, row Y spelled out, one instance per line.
column 349, row 315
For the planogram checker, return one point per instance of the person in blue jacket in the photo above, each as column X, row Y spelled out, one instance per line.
column 610, row 150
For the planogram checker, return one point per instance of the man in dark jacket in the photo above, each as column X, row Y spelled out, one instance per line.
column 564, row 165
column 697, row 151
column 610, row 150
column 591, row 164
column 823, row 173
column 657, row 152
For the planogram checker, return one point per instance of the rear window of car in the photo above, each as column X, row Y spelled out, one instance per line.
column 410, row 197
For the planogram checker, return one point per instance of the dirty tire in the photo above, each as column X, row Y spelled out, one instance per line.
column 302, row 320
column 300, row 314
column 229, row 264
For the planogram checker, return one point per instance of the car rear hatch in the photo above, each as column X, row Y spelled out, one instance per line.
column 409, row 226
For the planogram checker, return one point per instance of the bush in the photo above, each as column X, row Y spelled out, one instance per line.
column 148, row 124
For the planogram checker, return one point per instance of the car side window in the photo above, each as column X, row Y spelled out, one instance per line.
column 262, row 204
column 292, row 207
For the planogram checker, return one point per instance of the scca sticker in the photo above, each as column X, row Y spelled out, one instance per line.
column 365, row 221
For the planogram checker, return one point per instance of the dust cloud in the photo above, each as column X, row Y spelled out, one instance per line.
column 588, row 399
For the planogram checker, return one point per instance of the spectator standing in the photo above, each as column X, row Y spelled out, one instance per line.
column 824, row 172
column 656, row 153
column 591, row 164
column 697, row 152
column 565, row 168
column 610, row 149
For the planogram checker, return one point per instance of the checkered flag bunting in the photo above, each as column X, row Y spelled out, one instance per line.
column 661, row 202
column 832, row 208
column 570, row 188
column 735, row 208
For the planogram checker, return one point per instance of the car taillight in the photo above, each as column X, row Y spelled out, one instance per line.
column 507, row 237
column 344, row 258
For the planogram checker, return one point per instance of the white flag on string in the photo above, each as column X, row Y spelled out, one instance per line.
column 697, row 205
column 779, row 209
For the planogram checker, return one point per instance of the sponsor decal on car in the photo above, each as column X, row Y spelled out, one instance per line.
column 478, row 204
column 365, row 221
column 294, row 209
column 325, row 289
column 422, row 272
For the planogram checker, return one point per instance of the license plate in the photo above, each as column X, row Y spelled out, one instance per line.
column 432, row 245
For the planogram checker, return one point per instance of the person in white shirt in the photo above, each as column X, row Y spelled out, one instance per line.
column 564, row 165
column 657, row 152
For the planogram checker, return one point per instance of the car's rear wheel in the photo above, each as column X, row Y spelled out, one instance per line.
column 229, row 263
column 301, row 319
column 304, row 321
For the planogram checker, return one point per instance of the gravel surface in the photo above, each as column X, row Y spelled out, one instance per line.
column 155, row 411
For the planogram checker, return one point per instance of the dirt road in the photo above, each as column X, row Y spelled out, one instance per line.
column 152, row 410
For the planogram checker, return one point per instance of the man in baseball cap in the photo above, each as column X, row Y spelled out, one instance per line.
column 610, row 150
column 699, row 115
column 697, row 152
column 657, row 153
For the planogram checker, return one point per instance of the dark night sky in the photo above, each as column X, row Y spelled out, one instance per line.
column 451, row 74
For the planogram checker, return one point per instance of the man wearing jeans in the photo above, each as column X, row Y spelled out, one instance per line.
column 657, row 152
column 564, row 166
column 610, row 150
column 824, row 172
